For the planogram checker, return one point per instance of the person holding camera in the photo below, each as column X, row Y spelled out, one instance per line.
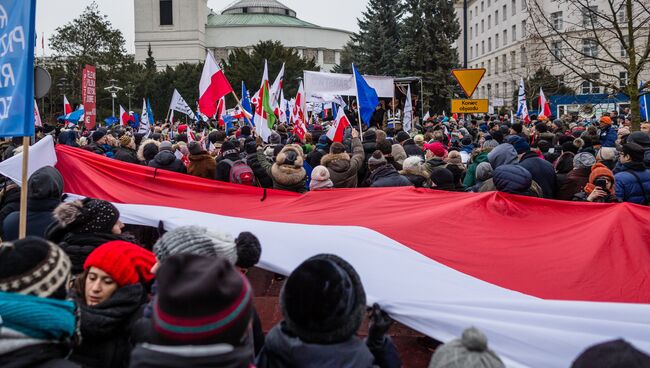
column 600, row 188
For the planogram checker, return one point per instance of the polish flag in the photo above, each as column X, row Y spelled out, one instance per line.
column 335, row 133
column 212, row 87
column 125, row 117
column 541, row 297
column 67, row 108
column 221, row 110
column 544, row 106
column 298, row 113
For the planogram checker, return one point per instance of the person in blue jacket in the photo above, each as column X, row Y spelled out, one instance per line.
column 608, row 134
column 633, row 182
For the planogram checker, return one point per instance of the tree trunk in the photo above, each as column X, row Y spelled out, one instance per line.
column 635, row 107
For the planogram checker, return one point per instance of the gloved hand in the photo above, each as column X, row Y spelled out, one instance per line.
column 379, row 324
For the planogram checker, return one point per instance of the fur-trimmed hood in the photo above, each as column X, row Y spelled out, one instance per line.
column 419, row 171
column 333, row 157
column 287, row 175
column 143, row 145
column 281, row 160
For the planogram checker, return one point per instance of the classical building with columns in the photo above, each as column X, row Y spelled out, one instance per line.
column 181, row 30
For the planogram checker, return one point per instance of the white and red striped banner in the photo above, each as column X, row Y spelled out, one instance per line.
column 544, row 279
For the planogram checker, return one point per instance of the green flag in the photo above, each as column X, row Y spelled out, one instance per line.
column 266, row 105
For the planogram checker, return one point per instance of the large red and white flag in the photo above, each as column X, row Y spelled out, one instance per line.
column 125, row 117
column 298, row 113
column 67, row 108
column 544, row 106
column 213, row 86
column 540, row 296
column 335, row 133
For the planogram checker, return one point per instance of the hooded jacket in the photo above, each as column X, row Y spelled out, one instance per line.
column 126, row 154
column 631, row 189
column 417, row 176
column 146, row 151
column 286, row 175
column 202, row 165
column 343, row 169
column 542, row 171
column 442, row 177
column 575, row 180
column 470, row 176
column 45, row 191
column 166, row 160
column 513, row 179
column 503, row 154
column 387, row 176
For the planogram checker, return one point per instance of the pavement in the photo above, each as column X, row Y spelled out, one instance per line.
column 415, row 349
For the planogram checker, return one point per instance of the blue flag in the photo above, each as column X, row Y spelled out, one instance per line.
column 74, row 116
column 150, row 113
column 17, row 98
column 111, row 120
column 335, row 110
column 366, row 97
column 228, row 120
column 643, row 103
column 246, row 102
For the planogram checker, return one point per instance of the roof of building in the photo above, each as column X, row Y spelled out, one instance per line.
column 237, row 20
column 259, row 7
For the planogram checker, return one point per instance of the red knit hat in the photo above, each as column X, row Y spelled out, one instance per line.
column 437, row 148
column 125, row 262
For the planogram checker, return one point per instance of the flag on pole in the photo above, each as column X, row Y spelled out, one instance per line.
column 298, row 113
column 150, row 112
column 145, row 119
column 522, row 105
column 179, row 104
column 366, row 97
column 261, row 117
column 643, row 103
column 266, row 105
column 335, row 133
column 407, row 121
column 67, row 108
column 282, row 108
column 213, row 86
column 246, row 103
column 221, row 110
column 73, row 117
column 277, row 86
column 37, row 116
column 125, row 117
column 544, row 107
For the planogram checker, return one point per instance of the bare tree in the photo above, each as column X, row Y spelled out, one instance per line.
column 595, row 40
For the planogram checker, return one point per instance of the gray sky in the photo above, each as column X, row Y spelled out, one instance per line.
column 51, row 14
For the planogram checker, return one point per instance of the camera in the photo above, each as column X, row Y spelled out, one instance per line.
column 601, row 183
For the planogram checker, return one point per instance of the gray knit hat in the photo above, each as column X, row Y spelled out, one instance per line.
column 483, row 171
column 244, row 251
column 470, row 351
column 489, row 144
column 583, row 160
column 376, row 160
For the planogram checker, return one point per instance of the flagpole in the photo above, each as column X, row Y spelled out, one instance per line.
column 22, row 226
column 239, row 104
column 356, row 88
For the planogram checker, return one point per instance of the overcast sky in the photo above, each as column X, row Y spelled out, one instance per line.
column 51, row 14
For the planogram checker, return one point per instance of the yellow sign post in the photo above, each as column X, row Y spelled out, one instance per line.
column 468, row 79
column 469, row 106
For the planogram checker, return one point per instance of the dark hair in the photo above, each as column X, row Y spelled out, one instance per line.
column 79, row 286
column 517, row 127
column 385, row 147
column 541, row 127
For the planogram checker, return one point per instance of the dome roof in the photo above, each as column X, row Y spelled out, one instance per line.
column 259, row 7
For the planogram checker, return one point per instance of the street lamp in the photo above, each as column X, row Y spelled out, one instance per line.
column 129, row 92
column 113, row 89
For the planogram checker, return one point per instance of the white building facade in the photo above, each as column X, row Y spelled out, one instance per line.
column 181, row 30
column 502, row 40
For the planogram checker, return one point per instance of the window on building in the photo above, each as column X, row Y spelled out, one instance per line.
column 489, row 3
column 623, row 79
column 523, row 29
column 489, row 44
column 514, row 85
column 166, row 15
column 505, row 37
column 496, row 90
column 496, row 17
column 496, row 65
column 471, row 32
column 505, row 88
column 496, row 41
column 556, row 48
column 588, row 16
column 504, row 64
column 329, row 57
column 471, row 52
column 557, row 21
column 588, row 86
column 310, row 54
column 482, row 47
column 623, row 53
column 489, row 68
column 470, row 15
column 524, row 57
column 590, row 47
column 513, row 6
column 476, row 30
column 489, row 21
column 513, row 58
column 524, row 5
column 482, row 25
column 505, row 13
column 622, row 15
column 514, row 33
column 482, row 6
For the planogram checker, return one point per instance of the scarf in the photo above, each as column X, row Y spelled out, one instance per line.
column 39, row 318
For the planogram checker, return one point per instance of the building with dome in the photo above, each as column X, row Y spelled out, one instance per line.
column 181, row 30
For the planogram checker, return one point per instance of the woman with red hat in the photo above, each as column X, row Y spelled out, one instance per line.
column 600, row 187
column 110, row 294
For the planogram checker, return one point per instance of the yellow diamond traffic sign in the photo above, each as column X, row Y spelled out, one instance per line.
column 468, row 79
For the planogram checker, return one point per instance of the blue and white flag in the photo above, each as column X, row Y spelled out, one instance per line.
column 17, row 60
column 145, row 123
column 73, row 117
column 246, row 102
column 522, row 104
column 366, row 97
column 643, row 103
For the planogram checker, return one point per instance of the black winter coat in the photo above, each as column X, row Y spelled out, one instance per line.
column 10, row 203
column 442, row 177
column 542, row 171
column 412, row 149
column 387, row 176
column 263, row 179
column 79, row 246
column 224, row 164
column 46, row 355
column 208, row 356
column 166, row 160
column 39, row 219
column 106, row 328
column 126, row 154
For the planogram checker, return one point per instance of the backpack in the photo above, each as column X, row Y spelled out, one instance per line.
column 241, row 173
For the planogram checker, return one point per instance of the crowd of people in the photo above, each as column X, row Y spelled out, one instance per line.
column 80, row 291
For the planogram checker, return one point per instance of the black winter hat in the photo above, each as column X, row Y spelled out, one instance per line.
column 33, row 266
column 250, row 147
column 195, row 148
column 612, row 354
column 227, row 146
column 149, row 151
column 275, row 138
column 635, row 151
column 45, row 183
column 402, row 136
column 87, row 216
column 639, row 138
column 323, row 300
column 201, row 301
column 99, row 134
column 370, row 136
column 245, row 130
column 569, row 147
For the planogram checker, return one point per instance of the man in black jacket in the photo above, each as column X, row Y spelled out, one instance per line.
column 541, row 170
column 166, row 160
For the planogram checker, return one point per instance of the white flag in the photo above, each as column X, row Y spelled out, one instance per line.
column 277, row 85
column 179, row 104
column 144, row 118
column 407, row 123
column 37, row 116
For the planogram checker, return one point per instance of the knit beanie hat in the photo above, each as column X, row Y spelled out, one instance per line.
column 369, row 136
column 320, row 178
column 470, row 351
column 607, row 153
column 419, row 140
column 337, row 147
column 583, row 160
column 437, row 148
column 520, row 144
column 125, row 140
column 606, row 120
column 403, row 136
column 398, row 153
column 483, row 171
column 99, row 134
column 165, row 146
column 489, row 144
column 275, row 138
column 323, row 300
column 376, row 160
column 33, row 266
column 200, row 301
column 87, row 216
column 612, row 354
column 125, row 262
column 600, row 170
column 250, row 147
column 412, row 163
column 244, row 251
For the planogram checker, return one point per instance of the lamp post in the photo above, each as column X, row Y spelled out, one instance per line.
column 129, row 92
column 62, row 86
column 113, row 89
